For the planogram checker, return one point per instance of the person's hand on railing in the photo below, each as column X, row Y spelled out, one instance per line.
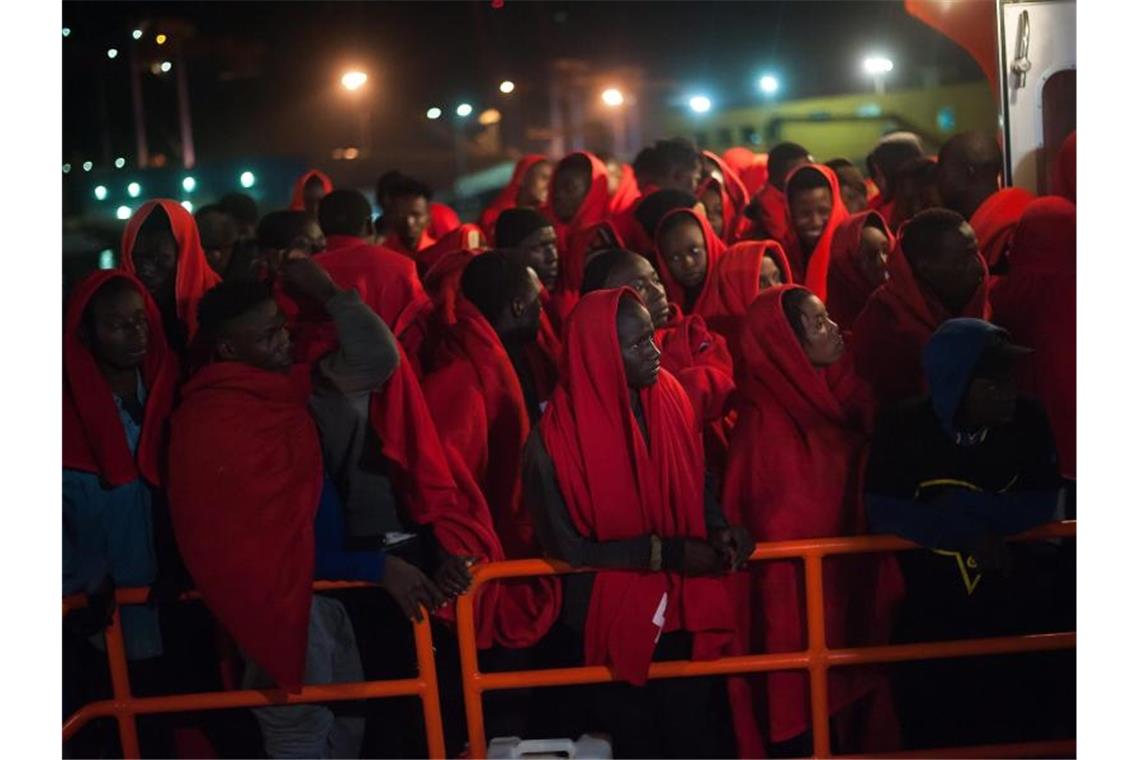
column 96, row 616
column 735, row 545
column 410, row 588
column 692, row 557
column 454, row 574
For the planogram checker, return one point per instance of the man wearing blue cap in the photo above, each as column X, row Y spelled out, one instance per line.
column 956, row 471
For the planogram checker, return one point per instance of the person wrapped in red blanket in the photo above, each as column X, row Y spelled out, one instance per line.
column 860, row 252
column 938, row 275
column 768, row 208
column 687, row 250
column 308, row 190
column 806, row 416
column 529, row 187
column 614, row 475
column 815, row 209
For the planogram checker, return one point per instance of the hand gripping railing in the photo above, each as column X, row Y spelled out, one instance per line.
column 816, row 659
column 124, row 707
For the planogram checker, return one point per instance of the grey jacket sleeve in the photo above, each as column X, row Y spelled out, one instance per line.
column 554, row 528
column 367, row 355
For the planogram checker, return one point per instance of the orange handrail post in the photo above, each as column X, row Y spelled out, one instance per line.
column 817, row 659
column 123, row 707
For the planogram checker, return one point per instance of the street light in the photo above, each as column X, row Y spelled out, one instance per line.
column 353, row 80
column 769, row 84
column 165, row 66
column 700, row 104
column 134, row 189
column 878, row 66
column 189, row 183
column 507, row 87
column 120, row 162
column 67, row 31
column 123, row 212
column 187, row 205
column 88, row 166
column 434, row 113
column 247, row 179
column 463, row 110
column 160, row 39
column 137, row 34
column 112, row 53
column 67, row 168
column 100, row 193
column 490, row 116
column 612, row 97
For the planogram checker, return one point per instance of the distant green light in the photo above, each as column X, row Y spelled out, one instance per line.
column 247, row 179
column 106, row 259
column 134, row 189
column 120, row 162
column 123, row 212
column 189, row 183
column 100, row 193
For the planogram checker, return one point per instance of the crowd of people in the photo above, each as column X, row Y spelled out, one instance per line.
column 643, row 369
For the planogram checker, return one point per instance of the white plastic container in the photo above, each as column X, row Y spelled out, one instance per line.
column 588, row 747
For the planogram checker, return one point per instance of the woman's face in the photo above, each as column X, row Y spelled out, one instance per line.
column 873, row 250
column 770, row 274
column 823, row 343
column 714, row 210
column 683, row 249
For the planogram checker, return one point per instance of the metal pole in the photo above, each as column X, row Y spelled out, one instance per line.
column 185, row 129
column 143, row 157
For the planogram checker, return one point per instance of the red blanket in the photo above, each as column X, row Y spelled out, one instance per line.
column 774, row 214
column 626, row 194
column 811, row 267
column 508, row 197
column 571, row 235
column 193, row 276
column 994, row 221
column 1037, row 303
column 891, row 331
column 93, row 438
column 297, row 202
column 245, row 482
column 714, row 249
column 848, row 288
column 443, row 220
column 795, row 471
column 734, row 197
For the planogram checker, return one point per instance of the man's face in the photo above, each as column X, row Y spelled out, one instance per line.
column 823, row 343
column 118, row 329
column 636, row 272
column 686, row 178
column 525, row 314
column 640, row 356
column 613, row 175
column 258, row 338
column 409, row 217
column 156, row 260
column 714, row 209
column 539, row 251
column 770, row 274
column 953, row 270
column 536, row 185
column 874, row 248
column 811, row 210
column 990, row 401
column 570, row 188
column 854, row 196
column 683, row 249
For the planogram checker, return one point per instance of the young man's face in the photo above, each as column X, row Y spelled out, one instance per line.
column 714, row 209
column 770, row 274
column 571, row 185
column 811, row 210
column 408, row 216
column 685, row 178
column 953, row 270
column 636, row 272
column 823, row 343
column 539, row 251
column 119, row 332
column 874, row 248
column 258, row 338
column 536, row 185
column 155, row 255
column 684, row 251
column 990, row 401
column 640, row 356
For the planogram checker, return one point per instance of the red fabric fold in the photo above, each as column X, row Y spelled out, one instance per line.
column 714, row 249
column 894, row 326
column 297, row 202
column 508, row 196
column 1037, row 303
column 617, row 486
column 811, row 427
column 811, row 268
column 443, row 220
column 245, row 482
column 93, row 437
column 995, row 219
column 847, row 286
column 193, row 276
column 626, row 194
column 773, row 208
column 734, row 197
column 702, row 364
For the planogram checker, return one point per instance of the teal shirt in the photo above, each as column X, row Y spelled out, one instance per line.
column 110, row 532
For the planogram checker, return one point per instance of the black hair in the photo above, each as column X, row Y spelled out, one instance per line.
column 491, row 281
column 836, row 164
column 216, row 226
column 601, row 264
column 578, row 162
column 344, row 212
column 792, row 303
column 404, row 186
column 672, row 223
column 226, row 302
column 110, row 289
column 890, row 155
column 278, row 229
column 647, row 165
column 676, row 153
column 240, row 206
column 656, row 205
column 384, row 184
column 782, row 156
column 803, row 180
column 922, row 235
column 978, row 150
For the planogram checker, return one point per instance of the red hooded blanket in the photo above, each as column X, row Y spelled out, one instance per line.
column 714, row 249
column 848, row 287
column 297, row 203
column 508, row 197
column 811, row 267
column 994, row 221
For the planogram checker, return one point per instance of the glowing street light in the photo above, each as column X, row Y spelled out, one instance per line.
column 187, row 205
column 612, row 97
column 463, row 110
column 189, row 183
column 490, row 116
column 134, row 189
column 507, row 87
column 123, row 212
column 434, row 113
column 67, row 168
column 247, row 179
column 112, row 53
column 137, row 34
column 88, row 166
column 67, row 31
column 106, row 259
column 700, row 104
column 878, row 66
column 120, row 162
column 769, row 85
column 165, row 66
column 100, row 193
column 353, row 80
column 160, row 39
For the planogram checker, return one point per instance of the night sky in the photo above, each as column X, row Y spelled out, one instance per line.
column 263, row 76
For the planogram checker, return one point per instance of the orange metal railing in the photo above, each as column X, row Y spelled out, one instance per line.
column 816, row 659
column 124, row 707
